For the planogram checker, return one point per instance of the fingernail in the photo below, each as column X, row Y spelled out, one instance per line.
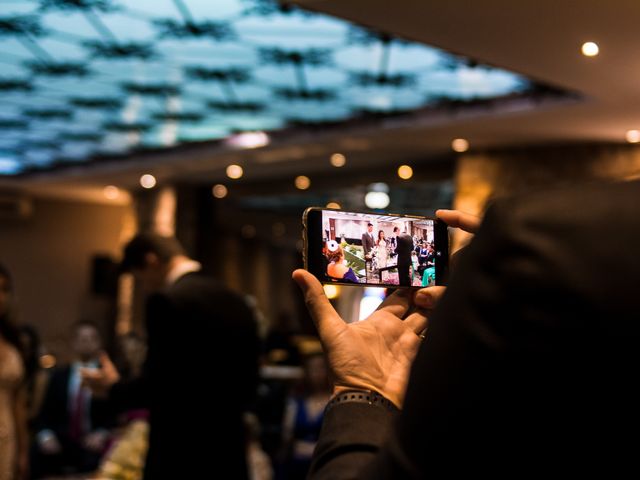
column 424, row 299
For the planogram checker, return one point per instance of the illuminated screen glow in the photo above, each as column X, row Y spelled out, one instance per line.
column 378, row 249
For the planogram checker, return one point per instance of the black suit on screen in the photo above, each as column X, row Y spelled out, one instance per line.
column 200, row 375
column 403, row 249
column 531, row 359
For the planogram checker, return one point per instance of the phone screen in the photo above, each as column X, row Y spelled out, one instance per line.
column 375, row 249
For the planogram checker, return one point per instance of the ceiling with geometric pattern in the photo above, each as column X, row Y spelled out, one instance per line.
column 86, row 79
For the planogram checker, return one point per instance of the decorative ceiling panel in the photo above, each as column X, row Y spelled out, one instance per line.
column 86, row 79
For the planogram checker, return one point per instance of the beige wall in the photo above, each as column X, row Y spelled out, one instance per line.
column 49, row 254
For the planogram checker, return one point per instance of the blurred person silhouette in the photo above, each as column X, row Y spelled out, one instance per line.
column 336, row 269
column 528, row 363
column 259, row 462
column 131, row 355
column 404, row 247
column 279, row 345
column 381, row 250
column 126, row 454
column 303, row 416
column 368, row 242
column 13, row 412
column 36, row 377
column 197, row 331
column 73, row 425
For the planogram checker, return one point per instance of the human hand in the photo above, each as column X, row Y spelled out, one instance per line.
column 50, row 445
column 373, row 354
column 95, row 441
column 100, row 380
column 429, row 297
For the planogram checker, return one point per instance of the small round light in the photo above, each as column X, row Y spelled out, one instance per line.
column 338, row 160
column 248, row 231
column 234, row 171
column 47, row 361
column 219, row 191
column 147, row 181
column 633, row 136
column 590, row 49
column 111, row 192
column 302, row 182
column 377, row 200
column 331, row 291
column 335, row 205
column 460, row 145
column 405, row 172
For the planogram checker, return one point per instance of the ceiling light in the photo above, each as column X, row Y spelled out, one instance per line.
column 234, row 171
column 219, row 191
column 377, row 200
column 302, row 182
column 335, row 205
column 338, row 160
column 460, row 145
column 633, row 136
column 590, row 49
column 111, row 192
column 248, row 140
column 147, row 181
column 331, row 291
column 405, row 172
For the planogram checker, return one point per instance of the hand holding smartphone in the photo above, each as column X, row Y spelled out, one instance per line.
column 367, row 249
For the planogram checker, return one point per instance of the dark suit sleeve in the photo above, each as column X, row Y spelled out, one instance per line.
column 500, row 375
column 350, row 438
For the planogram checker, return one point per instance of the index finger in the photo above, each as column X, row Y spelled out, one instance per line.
column 397, row 303
column 326, row 319
column 457, row 219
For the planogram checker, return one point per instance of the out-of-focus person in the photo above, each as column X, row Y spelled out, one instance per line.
column 36, row 377
column 303, row 416
column 13, row 414
column 198, row 332
column 73, row 425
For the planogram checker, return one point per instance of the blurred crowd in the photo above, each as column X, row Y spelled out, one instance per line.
column 57, row 423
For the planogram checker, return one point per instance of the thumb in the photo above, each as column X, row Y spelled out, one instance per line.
column 326, row 319
column 457, row 219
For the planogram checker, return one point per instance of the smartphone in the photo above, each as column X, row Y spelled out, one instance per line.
column 378, row 250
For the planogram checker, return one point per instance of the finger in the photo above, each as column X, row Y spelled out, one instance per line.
column 429, row 297
column 417, row 321
column 397, row 303
column 457, row 219
column 326, row 319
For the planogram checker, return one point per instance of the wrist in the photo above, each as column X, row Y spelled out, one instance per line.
column 348, row 395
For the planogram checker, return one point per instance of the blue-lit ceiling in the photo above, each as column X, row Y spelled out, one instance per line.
column 85, row 79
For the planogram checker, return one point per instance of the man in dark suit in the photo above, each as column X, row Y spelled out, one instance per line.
column 404, row 247
column 529, row 361
column 368, row 242
column 198, row 332
column 72, row 426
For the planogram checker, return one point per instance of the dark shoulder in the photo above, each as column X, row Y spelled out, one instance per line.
column 582, row 203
